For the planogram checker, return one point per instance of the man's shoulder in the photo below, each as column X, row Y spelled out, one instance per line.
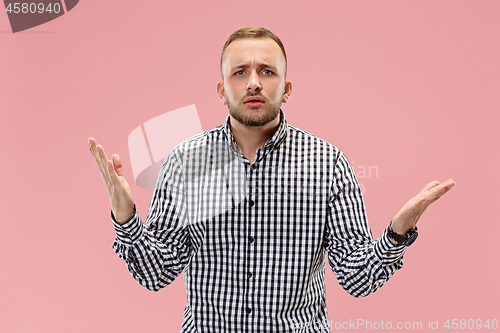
column 296, row 133
column 202, row 139
column 212, row 134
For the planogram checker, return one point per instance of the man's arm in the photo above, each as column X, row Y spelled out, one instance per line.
column 155, row 253
column 362, row 265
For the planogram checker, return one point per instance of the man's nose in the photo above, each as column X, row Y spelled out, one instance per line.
column 253, row 83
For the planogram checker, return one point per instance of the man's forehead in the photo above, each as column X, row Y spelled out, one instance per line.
column 263, row 50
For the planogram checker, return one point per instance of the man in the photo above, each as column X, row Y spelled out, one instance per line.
column 249, row 209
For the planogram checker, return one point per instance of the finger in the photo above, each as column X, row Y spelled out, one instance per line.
column 115, row 183
column 96, row 152
column 102, row 153
column 415, row 207
column 117, row 163
column 437, row 192
column 451, row 181
column 106, row 164
column 92, row 147
column 429, row 186
column 449, row 184
column 91, row 143
column 111, row 172
column 441, row 189
column 100, row 161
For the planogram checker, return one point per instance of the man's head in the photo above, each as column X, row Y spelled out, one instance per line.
column 251, row 32
column 253, row 66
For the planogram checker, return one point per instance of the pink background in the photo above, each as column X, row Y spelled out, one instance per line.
column 409, row 87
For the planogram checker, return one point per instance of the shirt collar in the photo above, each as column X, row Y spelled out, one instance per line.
column 273, row 142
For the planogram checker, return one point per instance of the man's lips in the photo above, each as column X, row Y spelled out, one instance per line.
column 253, row 101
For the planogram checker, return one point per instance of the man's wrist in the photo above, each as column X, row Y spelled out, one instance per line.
column 123, row 218
column 398, row 239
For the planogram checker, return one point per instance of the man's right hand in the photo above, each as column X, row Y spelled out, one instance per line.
column 118, row 189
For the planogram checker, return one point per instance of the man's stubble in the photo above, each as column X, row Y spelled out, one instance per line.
column 271, row 113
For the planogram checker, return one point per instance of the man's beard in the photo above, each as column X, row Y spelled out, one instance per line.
column 271, row 113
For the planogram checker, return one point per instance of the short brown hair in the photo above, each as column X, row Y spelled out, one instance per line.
column 252, row 32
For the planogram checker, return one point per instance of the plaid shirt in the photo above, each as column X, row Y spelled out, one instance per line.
column 252, row 237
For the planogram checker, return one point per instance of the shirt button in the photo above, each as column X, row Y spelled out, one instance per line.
column 250, row 275
column 251, row 239
column 249, row 310
column 251, row 203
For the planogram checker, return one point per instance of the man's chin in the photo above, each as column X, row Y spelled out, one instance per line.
column 254, row 120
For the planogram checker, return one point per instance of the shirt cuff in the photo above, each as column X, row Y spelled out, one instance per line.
column 387, row 251
column 130, row 231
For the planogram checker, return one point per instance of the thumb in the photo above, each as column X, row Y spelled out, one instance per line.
column 117, row 164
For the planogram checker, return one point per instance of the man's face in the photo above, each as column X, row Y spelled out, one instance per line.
column 254, row 83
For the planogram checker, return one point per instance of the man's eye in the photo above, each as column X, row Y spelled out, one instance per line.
column 267, row 72
column 239, row 73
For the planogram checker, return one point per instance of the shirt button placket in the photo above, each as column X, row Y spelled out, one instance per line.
column 251, row 236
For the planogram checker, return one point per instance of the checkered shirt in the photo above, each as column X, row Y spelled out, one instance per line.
column 252, row 237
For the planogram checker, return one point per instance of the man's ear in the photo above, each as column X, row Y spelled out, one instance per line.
column 288, row 91
column 221, row 92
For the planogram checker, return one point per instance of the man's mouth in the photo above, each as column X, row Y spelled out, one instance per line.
column 253, row 101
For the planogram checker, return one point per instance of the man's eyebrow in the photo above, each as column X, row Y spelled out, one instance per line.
column 268, row 66
column 241, row 66
column 265, row 65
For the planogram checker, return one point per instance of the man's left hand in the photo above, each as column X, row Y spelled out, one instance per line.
column 406, row 219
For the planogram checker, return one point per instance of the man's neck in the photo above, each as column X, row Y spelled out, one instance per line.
column 251, row 138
